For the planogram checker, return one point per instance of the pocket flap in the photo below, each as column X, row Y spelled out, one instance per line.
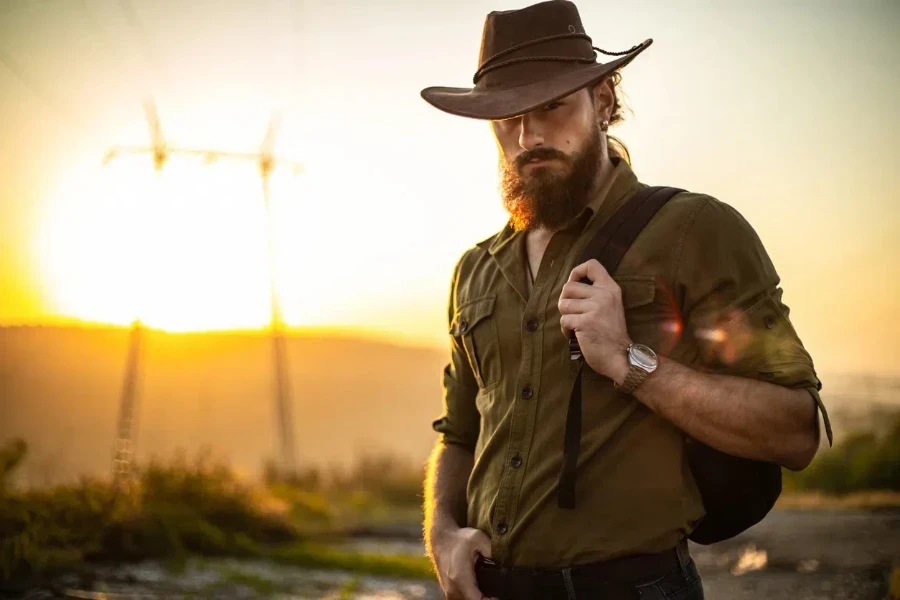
column 472, row 312
column 637, row 290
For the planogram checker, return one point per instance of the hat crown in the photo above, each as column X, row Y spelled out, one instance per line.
column 527, row 27
column 529, row 58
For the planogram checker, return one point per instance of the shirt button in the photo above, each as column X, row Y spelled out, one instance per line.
column 531, row 325
column 770, row 322
column 502, row 528
column 463, row 326
column 516, row 461
column 527, row 393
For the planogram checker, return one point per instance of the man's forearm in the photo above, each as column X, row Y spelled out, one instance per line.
column 449, row 469
column 741, row 416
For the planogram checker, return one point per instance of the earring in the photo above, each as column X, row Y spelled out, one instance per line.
column 604, row 125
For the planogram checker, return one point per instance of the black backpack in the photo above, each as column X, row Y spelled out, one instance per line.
column 737, row 492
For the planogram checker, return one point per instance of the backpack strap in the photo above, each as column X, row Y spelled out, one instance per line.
column 609, row 247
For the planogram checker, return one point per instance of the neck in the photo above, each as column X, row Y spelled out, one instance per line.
column 603, row 179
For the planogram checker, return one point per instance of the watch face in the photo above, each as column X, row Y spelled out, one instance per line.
column 644, row 357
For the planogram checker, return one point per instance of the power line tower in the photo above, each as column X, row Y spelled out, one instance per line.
column 160, row 151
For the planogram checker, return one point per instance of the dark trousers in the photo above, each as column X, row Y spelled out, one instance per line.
column 671, row 575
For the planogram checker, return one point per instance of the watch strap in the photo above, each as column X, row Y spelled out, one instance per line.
column 635, row 377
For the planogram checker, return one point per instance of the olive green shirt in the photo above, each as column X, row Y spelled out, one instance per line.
column 697, row 287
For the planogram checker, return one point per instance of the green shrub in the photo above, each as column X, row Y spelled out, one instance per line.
column 859, row 462
column 171, row 510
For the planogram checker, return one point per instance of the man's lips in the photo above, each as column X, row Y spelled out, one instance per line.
column 538, row 160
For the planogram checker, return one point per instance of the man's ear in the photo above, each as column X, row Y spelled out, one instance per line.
column 604, row 97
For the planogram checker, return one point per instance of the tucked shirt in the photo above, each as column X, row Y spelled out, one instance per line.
column 697, row 286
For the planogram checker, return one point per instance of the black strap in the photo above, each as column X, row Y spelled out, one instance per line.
column 609, row 247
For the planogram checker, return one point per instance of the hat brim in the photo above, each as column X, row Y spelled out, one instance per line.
column 506, row 103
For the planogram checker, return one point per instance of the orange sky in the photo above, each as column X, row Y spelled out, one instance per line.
column 787, row 111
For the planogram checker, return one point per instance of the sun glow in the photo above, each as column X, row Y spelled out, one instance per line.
column 182, row 251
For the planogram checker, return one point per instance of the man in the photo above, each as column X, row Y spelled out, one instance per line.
column 697, row 287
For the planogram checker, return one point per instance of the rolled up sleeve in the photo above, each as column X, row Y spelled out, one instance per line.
column 733, row 307
column 460, row 421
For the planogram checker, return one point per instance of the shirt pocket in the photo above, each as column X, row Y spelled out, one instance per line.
column 652, row 313
column 637, row 290
column 644, row 318
column 475, row 327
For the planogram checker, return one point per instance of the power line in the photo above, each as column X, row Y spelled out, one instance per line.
column 50, row 104
column 92, row 21
column 134, row 22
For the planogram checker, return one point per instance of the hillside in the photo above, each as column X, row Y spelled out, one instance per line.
column 59, row 389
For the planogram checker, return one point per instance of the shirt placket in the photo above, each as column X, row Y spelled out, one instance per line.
column 527, row 391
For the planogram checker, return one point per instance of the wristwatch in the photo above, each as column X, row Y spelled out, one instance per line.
column 643, row 361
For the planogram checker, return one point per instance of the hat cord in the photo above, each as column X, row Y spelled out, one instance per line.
column 487, row 66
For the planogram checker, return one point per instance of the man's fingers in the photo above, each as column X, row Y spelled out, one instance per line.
column 576, row 290
column 467, row 585
column 463, row 579
column 570, row 323
column 570, row 306
column 482, row 543
column 592, row 270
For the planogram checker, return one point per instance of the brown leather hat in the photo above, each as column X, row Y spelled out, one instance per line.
column 529, row 58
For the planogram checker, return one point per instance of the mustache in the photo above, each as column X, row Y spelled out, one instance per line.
column 539, row 154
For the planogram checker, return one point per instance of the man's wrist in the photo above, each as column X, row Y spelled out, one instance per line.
column 443, row 529
column 648, row 393
column 621, row 365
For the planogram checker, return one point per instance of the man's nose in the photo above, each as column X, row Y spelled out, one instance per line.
column 531, row 134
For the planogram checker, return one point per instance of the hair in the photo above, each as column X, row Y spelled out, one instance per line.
column 615, row 146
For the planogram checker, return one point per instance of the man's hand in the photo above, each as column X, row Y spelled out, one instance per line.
column 454, row 556
column 596, row 315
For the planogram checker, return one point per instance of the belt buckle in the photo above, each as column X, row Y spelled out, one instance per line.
column 484, row 560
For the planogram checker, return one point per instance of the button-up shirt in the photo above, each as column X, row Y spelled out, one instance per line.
column 697, row 287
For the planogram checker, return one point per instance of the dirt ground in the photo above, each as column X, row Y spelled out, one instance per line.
column 805, row 555
column 791, row 555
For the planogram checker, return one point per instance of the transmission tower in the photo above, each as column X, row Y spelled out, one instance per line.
column 160, row 151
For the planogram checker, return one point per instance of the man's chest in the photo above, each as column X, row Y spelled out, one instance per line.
column 509, row 327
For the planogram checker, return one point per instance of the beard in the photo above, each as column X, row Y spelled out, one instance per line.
column 549, row 195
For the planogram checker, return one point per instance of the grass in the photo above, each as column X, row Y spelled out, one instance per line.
column 861, row 500
column 173, row 510
column 349, row 589
column 181, row 508
column 323, row 557
column 861, row 461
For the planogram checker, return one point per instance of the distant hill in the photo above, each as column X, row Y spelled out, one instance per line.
column 59, row 389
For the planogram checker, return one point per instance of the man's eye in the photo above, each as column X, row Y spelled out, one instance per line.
column 553, row 105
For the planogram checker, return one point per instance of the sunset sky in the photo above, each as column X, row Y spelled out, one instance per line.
column 785, row 110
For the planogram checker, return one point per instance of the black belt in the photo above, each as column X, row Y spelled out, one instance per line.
column 614, row 579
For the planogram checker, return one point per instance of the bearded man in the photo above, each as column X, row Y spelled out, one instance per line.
column 687, row 340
